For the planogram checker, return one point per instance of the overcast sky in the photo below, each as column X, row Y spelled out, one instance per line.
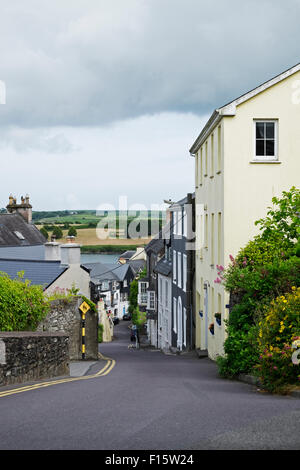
column 104, row 98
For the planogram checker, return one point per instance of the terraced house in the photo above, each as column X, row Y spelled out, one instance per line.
column 247, row 153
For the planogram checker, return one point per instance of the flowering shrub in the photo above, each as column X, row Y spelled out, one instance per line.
column 60, row 293
column 264, row 270
column 278, row 329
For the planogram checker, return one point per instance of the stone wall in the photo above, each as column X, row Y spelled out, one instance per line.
column 28, row 356
column 65, row 316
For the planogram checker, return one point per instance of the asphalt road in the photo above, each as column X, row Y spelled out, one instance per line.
column 149, row 401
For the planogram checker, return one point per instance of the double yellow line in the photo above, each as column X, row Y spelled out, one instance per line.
column 104, row 371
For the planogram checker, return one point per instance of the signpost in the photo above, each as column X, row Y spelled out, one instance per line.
column 84, row 307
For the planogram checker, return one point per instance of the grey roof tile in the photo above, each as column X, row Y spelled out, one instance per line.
column 38, row 272
column 12, row 223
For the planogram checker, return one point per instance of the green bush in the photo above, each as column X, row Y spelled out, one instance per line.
column 267, row 267
column 22, row 306
column 138, row 318
column 100, row 333
column 91, row 304
column 278, row 328
column 133, row 295
column 44, row 232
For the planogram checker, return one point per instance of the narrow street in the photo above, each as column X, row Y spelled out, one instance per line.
column 149, row 401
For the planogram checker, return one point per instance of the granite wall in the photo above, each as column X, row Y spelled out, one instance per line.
column 28, row 356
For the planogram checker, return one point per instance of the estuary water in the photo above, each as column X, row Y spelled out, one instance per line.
column 100, row 258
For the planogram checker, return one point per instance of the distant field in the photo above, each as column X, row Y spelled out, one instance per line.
column 88, row 236
column 84, row 217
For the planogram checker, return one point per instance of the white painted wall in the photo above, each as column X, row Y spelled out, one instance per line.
column 241, row 191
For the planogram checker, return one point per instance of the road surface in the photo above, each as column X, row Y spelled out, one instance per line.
column 147, row 400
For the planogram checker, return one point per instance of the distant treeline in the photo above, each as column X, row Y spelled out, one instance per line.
column 107, row 248
column 82, row 214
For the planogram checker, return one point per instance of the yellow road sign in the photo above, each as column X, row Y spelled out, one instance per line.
column 84, row 307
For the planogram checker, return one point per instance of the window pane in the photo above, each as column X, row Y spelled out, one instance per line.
column 260, row 130
column 270, row 148
column 270, row 130
column 260, row 148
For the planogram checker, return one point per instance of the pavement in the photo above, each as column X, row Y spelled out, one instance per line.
column 80, row 368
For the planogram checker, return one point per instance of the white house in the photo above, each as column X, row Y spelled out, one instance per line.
column 247, row 153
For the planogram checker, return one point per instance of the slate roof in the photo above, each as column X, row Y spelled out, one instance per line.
column 137, row 265
column 127, row 254
column 157, row 244
column 39, row 272
column 23, row 252
column 163, row 267
column 107, row 272
column 15, row 231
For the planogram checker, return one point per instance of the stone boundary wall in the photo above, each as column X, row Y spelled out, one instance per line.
column 65, row 316
column 27, row 356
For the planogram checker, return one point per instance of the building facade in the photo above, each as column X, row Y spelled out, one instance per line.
column 182, row 254
column 247, row 153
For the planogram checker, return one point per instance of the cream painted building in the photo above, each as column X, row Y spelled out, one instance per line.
column 74, row 274
column 248, row 152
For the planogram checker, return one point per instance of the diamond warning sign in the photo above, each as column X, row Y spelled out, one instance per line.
column 84, row 307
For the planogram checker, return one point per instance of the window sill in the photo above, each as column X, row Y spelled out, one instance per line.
column 276, row 162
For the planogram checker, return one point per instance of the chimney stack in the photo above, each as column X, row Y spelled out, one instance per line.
column 24, row 209
column 70, row 252
column 52, row 251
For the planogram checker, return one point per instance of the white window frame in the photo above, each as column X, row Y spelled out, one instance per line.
column 185, row 223
column 184, row 272
column 160, row 290
column 175, row 314
column 174, row 267
column 179, row 223
column 142, row 292
column 174, row 222
column 166, row 294
column 266, row 158
column 151, row 300
column 179, row 268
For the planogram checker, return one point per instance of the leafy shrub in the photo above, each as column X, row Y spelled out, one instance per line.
column 22, row 306
column 283, row 218
column 266, row 268
column 133, row 295
column 100, row 333
column 240, row 353
column 138, row 318
column 44, row 232
column 278, row 328
column 91, row 304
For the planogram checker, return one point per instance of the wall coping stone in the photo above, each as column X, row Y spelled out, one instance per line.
column 28, row 334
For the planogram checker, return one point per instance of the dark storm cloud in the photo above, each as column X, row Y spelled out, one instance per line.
column 78, row 63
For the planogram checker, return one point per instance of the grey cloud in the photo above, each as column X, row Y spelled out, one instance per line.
column 29, row 140
column 78, row 63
